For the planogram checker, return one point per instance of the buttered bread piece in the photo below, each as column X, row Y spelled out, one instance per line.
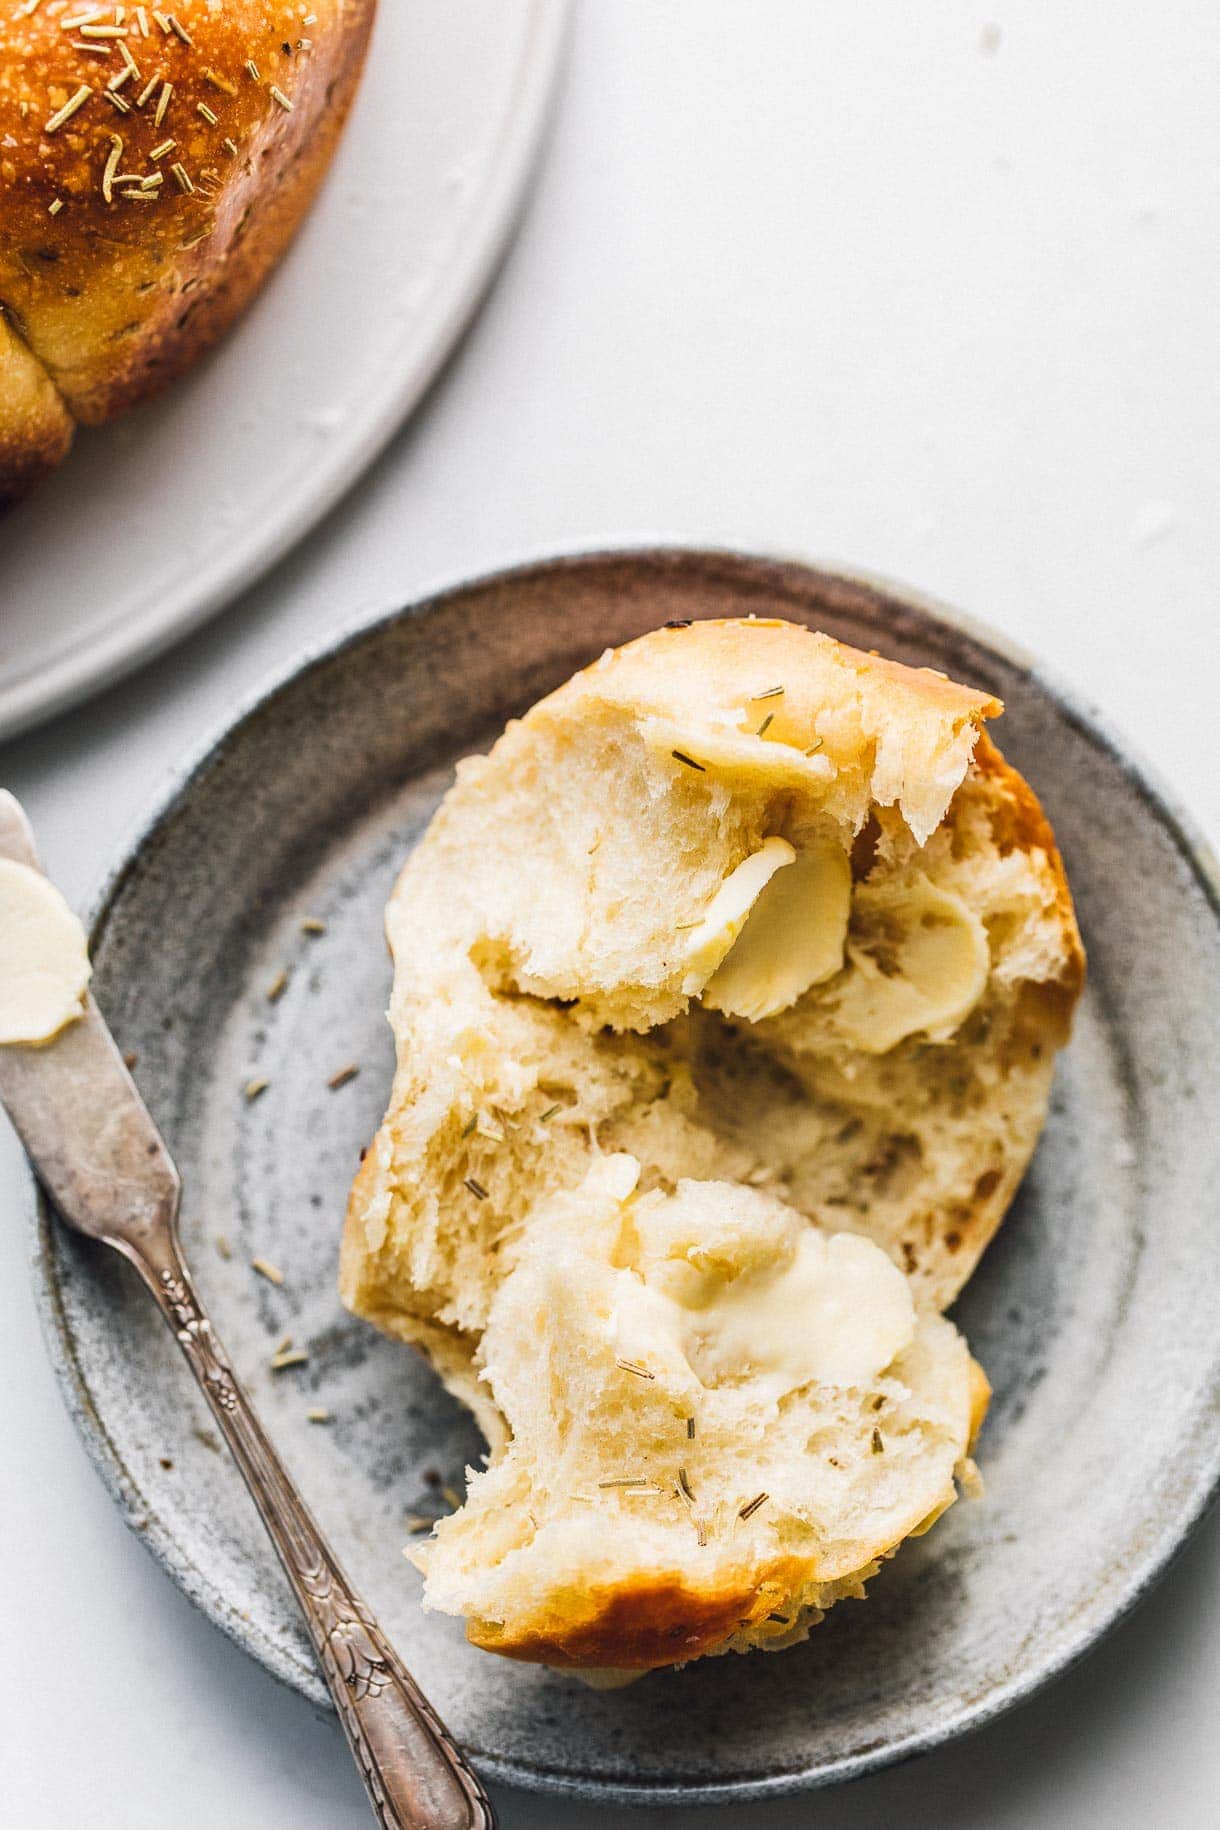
column 730, row 1285
column 720, row 1420
column 761, row 914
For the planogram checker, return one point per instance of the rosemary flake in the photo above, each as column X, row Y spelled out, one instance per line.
column 68, row 110
column 281, row 1361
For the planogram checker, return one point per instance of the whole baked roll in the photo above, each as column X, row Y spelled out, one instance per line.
column 154, row 166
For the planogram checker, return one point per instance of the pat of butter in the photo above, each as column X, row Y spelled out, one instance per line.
column 727, row 912
column 792, row 939
column 836, row 1313
column 925, row 971
column 44, row 959
column 763, row 1298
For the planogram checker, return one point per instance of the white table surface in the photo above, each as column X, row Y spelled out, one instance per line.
column 851, row 281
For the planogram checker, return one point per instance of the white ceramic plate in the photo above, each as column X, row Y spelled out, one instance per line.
column 158, row 520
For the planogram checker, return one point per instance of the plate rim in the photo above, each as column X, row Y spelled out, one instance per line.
column 1091, row 1626
column 82, row 672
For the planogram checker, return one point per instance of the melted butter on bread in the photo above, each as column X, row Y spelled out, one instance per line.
column 921, row 965
column 794, row 937
column 730, row 909
column 747, row 1292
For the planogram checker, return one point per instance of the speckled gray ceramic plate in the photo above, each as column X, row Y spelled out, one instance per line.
column 1094, row 1313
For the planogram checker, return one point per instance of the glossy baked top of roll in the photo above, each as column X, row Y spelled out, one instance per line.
column 154, row 164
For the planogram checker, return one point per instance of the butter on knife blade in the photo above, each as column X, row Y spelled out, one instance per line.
column 44, row 957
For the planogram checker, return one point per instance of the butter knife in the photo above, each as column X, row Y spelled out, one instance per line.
column 105, row 1166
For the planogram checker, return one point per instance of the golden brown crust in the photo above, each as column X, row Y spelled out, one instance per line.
column 35, row 427
column 980, row 1399
column 1019, row 824
column 118, row 293
column 656, row 1620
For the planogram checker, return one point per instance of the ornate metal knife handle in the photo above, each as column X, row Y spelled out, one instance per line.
column 416, row 1777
